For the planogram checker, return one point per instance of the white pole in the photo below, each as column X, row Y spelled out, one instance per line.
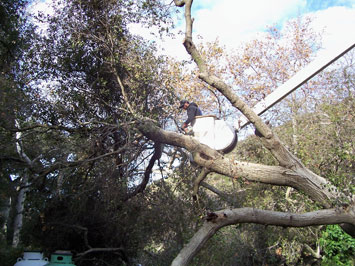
column 301, row 77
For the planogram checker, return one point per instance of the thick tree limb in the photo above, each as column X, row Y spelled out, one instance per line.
column 313, row 185
column 23, row 188
column 217, row 220
column 307, row 180
column 153, row 132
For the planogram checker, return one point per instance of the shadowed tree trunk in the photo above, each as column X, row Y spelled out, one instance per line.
column 22, row 190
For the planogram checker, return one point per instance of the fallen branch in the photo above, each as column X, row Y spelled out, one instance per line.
column 216, row 220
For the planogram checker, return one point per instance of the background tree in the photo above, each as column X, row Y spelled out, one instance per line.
column 15, row 32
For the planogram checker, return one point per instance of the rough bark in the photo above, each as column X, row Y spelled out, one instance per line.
column 22, row 190
column 316, row 187
column 217, row 220
column 18, row 220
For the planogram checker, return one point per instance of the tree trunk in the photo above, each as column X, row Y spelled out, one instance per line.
column 4, row 213
column 18, row 220
column 22, row 189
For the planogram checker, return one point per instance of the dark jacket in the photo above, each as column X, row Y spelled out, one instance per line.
column 192, row 111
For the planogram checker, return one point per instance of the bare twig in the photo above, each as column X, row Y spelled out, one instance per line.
column 86, row 252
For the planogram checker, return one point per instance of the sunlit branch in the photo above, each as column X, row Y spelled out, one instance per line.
column 124, row 93
column 216, row 220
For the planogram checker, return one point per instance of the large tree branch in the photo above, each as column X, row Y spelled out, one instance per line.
column 313, row 185
column 215, row 221
column 270, row 140
column 216, row 82
column 149, row 128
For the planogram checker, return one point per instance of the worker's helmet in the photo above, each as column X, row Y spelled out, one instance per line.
column 182, row 103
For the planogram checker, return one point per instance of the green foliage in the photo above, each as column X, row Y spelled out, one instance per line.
column 325, row 145
column 11, row 21
column 9, row 255
column 325, row 141
column 245, row 244
column 338, row 247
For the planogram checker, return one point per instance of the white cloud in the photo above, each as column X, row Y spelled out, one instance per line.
column 234, row 21
column 44, row 6
column 338, row 24
column 231, row 21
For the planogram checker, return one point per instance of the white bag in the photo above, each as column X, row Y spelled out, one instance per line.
column 215, row 133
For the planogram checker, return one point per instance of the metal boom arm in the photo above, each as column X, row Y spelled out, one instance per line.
column 301, row 77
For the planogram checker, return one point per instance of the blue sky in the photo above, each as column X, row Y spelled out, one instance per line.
column 313, row 5
column 307, row 6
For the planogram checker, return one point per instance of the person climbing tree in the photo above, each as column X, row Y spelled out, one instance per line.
column 192, row 111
